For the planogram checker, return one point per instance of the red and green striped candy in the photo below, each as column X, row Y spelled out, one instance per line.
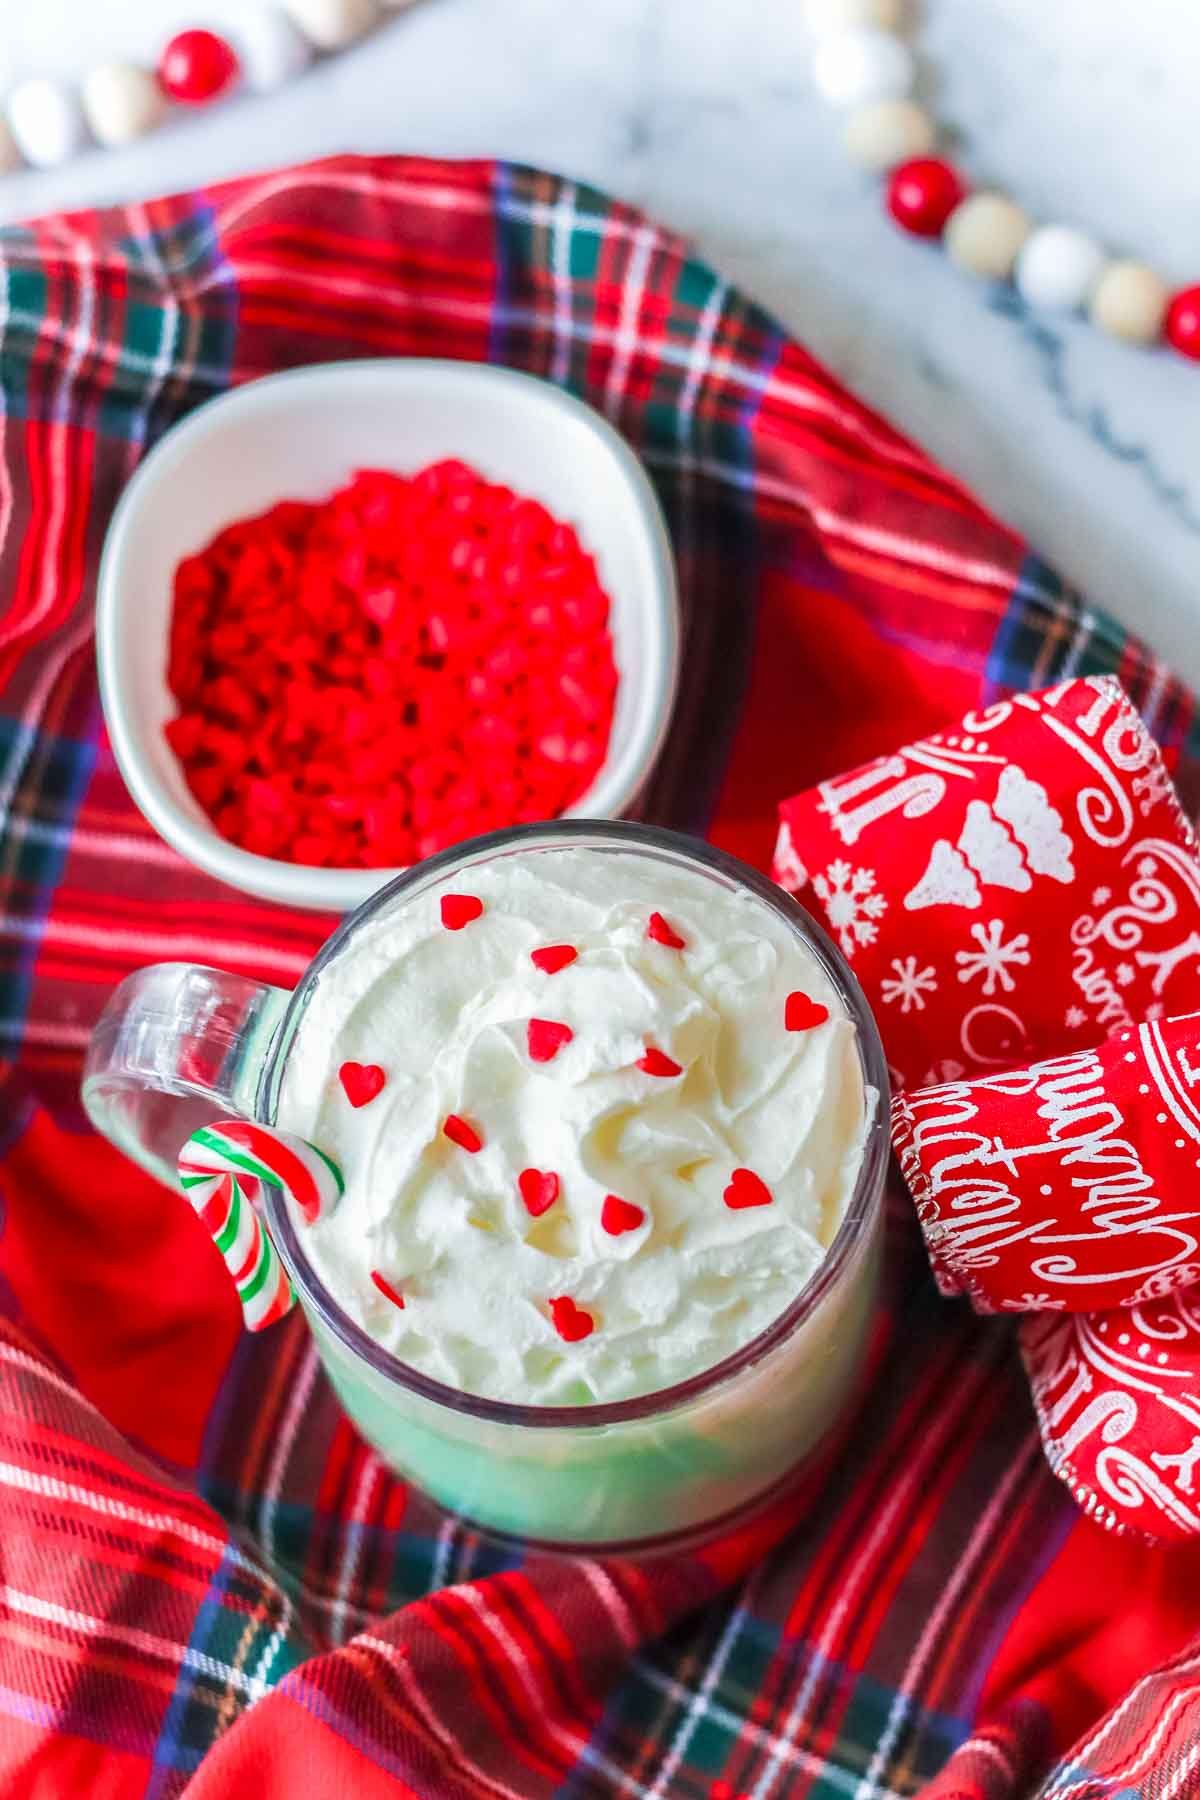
column 215, row 1167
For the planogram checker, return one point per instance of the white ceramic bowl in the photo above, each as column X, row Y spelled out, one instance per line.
column 299, row 435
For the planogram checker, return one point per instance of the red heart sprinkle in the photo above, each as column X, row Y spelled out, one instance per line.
column 387, row 1290
column 617, row 1215
column 462, row 1134
column 546, row 1038
column 662, row 933
column 553, row 958
column 747, row 1189
column 459, row 910
column 362, row 1081
column 802, row 1014
column 570, row 1321
column 657, row 1062
column 539, row 1190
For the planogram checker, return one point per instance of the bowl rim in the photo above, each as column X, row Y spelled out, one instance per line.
column 864, row 1210
column 616, row 785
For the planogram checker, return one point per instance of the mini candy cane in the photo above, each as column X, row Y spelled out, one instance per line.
column 214, row 1166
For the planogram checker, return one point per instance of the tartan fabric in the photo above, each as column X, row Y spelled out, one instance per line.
column 208, row 1584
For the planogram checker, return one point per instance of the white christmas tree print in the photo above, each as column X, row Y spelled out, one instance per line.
column 908, row 984
column 994, row 958
column 990, row 850
column 1038, row 828
column 946, row 882
column 851, row 904
column 1006, row 844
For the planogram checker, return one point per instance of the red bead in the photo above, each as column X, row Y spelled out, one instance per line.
column 196, row 66
column 1182, row 326
column 922, row 194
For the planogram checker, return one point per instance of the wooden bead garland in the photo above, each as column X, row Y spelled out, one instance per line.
column 863, row 63
column 45, row 122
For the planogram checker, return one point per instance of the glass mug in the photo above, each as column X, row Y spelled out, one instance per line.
column 177, row 1046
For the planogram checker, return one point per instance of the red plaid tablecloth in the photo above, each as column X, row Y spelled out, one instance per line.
column 208, row 1584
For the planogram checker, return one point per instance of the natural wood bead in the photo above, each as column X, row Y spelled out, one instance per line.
column 985, row 234
column 1130, row 302
column 886, row 132
column 121, row 102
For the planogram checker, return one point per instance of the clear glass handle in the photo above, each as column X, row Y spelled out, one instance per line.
column 175, row 1047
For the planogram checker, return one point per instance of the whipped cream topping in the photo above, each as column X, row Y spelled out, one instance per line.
column 445, row 1014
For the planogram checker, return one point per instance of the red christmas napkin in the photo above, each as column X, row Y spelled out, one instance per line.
column 1021, row 886
column 1067, row 1185
column 1117, row 1396
column 1025, row 886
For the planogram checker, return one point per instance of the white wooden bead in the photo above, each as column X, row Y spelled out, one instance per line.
column 1130, row 301
column 46, row 119
column 852, row 67
column 1058, row 268
column 270, row 47
column 10, row 155
column 835, row 15
column 984, row 235
column 886, row 132
column 121, row 102
column 332, row 24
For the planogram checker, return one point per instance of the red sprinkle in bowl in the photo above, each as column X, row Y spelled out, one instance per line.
column 300, row 435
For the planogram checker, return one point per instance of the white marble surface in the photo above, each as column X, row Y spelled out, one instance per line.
column 701, row 111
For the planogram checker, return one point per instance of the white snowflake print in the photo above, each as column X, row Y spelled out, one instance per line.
column 1155, row 1010
column 1101, row 896
column 994, row 957
column 851, row 904
column 1075, row 1017
column 909, row 984
column 1125, row 974
column 1032, row 1303
column 1147, row 866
